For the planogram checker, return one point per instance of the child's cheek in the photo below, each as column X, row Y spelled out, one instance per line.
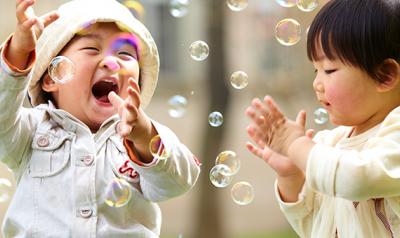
column 342, row 99
column 339, row 99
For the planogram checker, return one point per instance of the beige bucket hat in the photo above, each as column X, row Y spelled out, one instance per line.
column 78, row 13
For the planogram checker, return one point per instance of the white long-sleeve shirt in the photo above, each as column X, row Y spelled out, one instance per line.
column 352, row 184
column 63, row 170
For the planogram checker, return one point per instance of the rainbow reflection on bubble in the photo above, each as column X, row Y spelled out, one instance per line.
column 242, row 193
column 61, row 69
column 136, row 8
column 124, row 39
column 118, row 193
column 288, row 32
column 157, row 148
column 287, row 3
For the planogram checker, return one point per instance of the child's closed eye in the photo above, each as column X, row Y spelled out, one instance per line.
column 91, row 50
column 330, row 71
column 128, row 54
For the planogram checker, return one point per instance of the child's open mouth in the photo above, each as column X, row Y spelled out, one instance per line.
column 101, row 90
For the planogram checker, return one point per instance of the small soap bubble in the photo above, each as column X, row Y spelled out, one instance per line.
column 321, row 116
column 215, row 119
column 237, row 5
column 307, row 5
column 239, row 80
column 288, row 32
column 287, row 3
column 118, row 193
column 135, row 7
column 178, row 8
column 219, row 177
column 5, row 190
column 61, row 69
column 157, row 148
column 242, row 193
column 177, row 106
column 229, row 159
column 199, row 50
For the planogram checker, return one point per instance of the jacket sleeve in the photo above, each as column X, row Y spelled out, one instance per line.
column 299, row 214
column 170, row 177
column 359, row 175
column 15, row 121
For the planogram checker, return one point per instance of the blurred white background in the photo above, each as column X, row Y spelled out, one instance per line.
column 250, row 45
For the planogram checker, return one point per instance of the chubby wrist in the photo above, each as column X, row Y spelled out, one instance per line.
column 299, row 150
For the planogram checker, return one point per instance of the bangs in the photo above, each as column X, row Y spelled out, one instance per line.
column 360, row 33
column 333, row 31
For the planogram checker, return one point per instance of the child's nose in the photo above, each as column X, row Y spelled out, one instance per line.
column 317, row 85
column 110, row 63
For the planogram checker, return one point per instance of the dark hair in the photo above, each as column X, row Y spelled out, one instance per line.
column 361, row 33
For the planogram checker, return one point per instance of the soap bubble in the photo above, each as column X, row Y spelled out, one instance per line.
column 239, row 80
column 229, row 159
column 307, row 5
column 237, row 5
column 61, row 69
column 199, row 50
column 178, row 8
column 321, row 116
column 177, row 105
column 118, row 193
column 288, row 32
column 215, row 119
column 219, row 177
column 286, row 3
column 242, row 193
column 157, row 148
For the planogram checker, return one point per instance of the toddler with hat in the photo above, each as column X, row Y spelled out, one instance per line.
column 81, row 155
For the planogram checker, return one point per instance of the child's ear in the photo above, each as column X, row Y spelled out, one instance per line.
column 48, row 85
column 389, row 73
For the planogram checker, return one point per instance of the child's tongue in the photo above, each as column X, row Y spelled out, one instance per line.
column 104, row 99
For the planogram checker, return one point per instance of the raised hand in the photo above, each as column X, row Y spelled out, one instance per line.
column 128, row 109
column 271, row 127
column 29, row 28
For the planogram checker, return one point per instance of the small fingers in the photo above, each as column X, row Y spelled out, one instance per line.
column 24, row 11
column 310, row 133
column 273, row 107
column 49, row 18
column 115, row 100
column 301, row 118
